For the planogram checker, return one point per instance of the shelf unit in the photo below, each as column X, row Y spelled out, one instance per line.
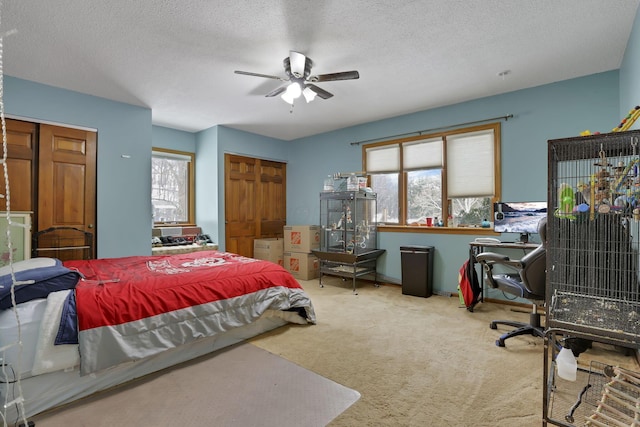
column 348, row 236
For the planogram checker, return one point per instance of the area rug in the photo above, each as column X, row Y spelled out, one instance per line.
column 242, row 385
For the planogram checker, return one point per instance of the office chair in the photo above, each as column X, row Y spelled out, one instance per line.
column 528, row 281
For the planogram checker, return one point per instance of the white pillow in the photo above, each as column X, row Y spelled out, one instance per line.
column 50, row 357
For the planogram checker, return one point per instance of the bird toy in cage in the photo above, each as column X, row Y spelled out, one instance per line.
column 628, row 121
column 626, row 181
column 620, row 402
column 601, row 193
column 625, row 124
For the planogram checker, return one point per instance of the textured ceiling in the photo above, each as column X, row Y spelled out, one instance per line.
column 178, row 57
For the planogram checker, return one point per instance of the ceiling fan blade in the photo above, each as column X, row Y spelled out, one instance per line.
column 277, row 91
column 320, row 92
column 297, row 62
column 266, row 76
column 345, row 75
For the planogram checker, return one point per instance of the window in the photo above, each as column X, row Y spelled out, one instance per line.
column 172, row 187
column 451, row 176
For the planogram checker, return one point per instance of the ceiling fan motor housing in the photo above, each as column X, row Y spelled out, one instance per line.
column 308, row 63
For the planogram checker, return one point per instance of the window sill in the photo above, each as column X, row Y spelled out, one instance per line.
column 436, row 230
column 174, row 224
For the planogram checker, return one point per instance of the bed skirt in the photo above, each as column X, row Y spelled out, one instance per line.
column 50, row 390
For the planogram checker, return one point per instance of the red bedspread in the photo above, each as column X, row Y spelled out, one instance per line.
column 129, row 308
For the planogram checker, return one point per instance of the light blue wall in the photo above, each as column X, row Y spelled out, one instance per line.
column 124, row 184
column 630, row 73
column 208, row 195
column 173, row 139
column 553, row 111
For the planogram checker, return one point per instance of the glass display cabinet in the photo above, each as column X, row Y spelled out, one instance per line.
column 348, row 236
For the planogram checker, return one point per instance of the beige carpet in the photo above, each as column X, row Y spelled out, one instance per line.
column 421, row 361
column 239, row 386
column 415, row 362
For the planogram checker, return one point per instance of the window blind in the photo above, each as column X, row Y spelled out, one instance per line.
column 171, row 156
column 383, row 159
column 423, row 154
column 470, row 164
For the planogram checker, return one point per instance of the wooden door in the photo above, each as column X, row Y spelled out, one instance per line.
column 66, row 191
column 21, row 155
column 255, row 201
column 272, row 199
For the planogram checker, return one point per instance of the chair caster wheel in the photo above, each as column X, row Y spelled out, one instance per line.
column 499, row 343
column 493, row 325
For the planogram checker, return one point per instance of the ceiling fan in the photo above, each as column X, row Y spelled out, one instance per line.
column 297, row 68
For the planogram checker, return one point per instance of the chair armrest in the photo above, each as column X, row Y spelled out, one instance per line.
column 491, row 257
column 495, row 258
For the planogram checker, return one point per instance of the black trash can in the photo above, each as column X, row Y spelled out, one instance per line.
column 417, row 270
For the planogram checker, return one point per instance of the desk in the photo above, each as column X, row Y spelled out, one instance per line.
column 478, row 247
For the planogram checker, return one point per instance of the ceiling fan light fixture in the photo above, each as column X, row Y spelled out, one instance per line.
column 287, row 98
column 292, row 93
column 309, row 95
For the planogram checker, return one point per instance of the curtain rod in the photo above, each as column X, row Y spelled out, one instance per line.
column 420, row 132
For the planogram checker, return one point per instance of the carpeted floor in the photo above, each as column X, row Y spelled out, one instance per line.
column 239, row 386
column 421, row 361
column 415, row 362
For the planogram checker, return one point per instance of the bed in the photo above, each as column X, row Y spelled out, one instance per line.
column 89, row 325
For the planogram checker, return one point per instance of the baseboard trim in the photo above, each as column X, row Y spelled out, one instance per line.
column 526, row 308
column 388, row 280
column 506, row 302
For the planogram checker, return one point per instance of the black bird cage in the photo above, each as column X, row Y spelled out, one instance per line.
column 593, row 284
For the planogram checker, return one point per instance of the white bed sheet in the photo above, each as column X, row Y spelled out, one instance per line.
column 48, row 356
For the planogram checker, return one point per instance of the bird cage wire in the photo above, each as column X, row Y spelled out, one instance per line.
column 593, row 233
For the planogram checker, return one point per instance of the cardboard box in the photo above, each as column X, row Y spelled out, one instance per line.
column 302, row 266
column 270, row 249
column 301, row 238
